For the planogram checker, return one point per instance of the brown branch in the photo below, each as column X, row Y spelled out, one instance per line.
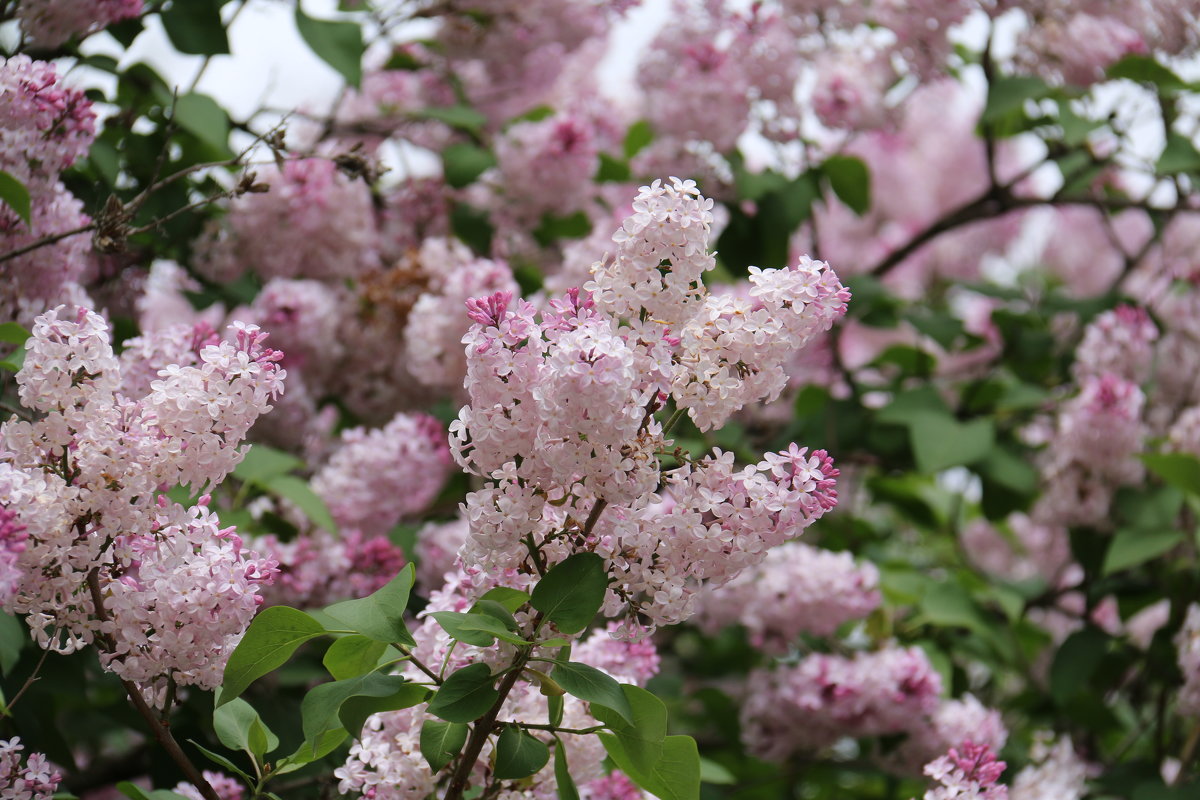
column 160, row 728
column 483, row 729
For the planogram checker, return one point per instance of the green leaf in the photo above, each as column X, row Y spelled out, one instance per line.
column 512, row 599
column 221, row 761
column 850, row 180
column 261, row 463
column 135, row 792
column 642, row 738
column 466, row 695
column 195, row 27
column 1007, row 94
column 1075, row 663
column 552, row 228
column 16, row 196
column 554, row 709
column 466, row 629
column 562, row 773
column 354, row 712
column 239, row 727
column 269, row 642
column 1179, row 155
column 338, row 44
column 379, row 616
column 13, row 637
column 590, row 684
column 200, row 115
column 572, row 592
column 1181, row 470
column 462, row 163
column 639, row 135
column 496, row 611
column 946, row 604
column 939, row 441
column 1144, row 69
column 320, row 709
column 675, row 775
column 1132, row 547
column 297, row 490
column 611, row 169
column 441, row 742
column 519, row 754
column 352, row 656
column 306, row 754
column 461, row 117
column 712, row 772
column 13, row 333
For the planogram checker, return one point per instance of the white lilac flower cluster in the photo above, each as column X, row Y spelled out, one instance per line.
column 561, row 418
column 84, row 478
column 35, row 781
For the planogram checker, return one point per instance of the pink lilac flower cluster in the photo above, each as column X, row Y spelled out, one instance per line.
column 969, row 772
column 85, row 478
column 317, row 568
column 1119, row 342
column 50, row 23
column 1093, row 451
column 314, row 222
column 561, row 426
column 226, row 787
column 1076, row 41
column 35, row 781
column 796, row 589
column 12, row 544
column 378, row 477
column 44, row 128
column 826, row 697
column 386, row 762
column 547, row 166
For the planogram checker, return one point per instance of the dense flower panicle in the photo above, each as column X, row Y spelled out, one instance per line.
column 302, row 317
column 143, row 356
column 44, row 128
column 968, row 772
column 1093, row 451
column 1035, row 550
column 954, row 723
column 546, row 166
column 314, row 222
column 437, row 549
column 378, row 477
column 796, row 589
column 561, row 425
column 1056, row 774
column 35, row 781
column 825, row 697
column 1120, row 342
column 317, row 569
column 180, row 607
column 226, row 787
column 1187, row 641
column 12, row 544
column 629, row 661
column 50, row 23
column 207, row 410
column 84, row 482
column 615, row 785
